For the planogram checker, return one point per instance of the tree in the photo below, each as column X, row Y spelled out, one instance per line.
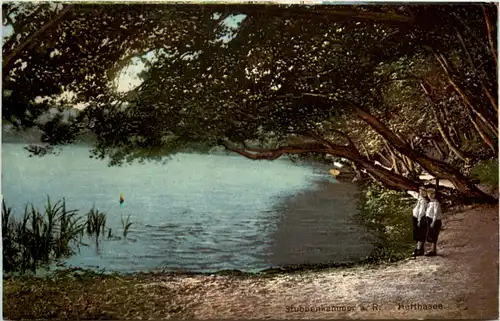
column 287, row 75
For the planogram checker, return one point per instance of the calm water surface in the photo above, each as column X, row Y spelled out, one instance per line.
column 195, row 212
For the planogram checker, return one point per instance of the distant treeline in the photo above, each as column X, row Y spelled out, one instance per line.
column 33, row 136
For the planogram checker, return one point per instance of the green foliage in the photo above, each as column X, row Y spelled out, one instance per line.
column 487, row 172
column 39, row 237
column 387, row 214
column 201, row 89
column 287, row 71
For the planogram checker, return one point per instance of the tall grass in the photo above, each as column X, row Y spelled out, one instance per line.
column 126, row 224
column 10, row 252
column 96, row 224
column 39, row 238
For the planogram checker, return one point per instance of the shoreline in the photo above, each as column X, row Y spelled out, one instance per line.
column 463, row 278
column 321, row 218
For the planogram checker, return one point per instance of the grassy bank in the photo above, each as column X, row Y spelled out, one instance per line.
column 84, row 296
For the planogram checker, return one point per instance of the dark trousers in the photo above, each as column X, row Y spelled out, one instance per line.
column 433, row 232
column 419, row 232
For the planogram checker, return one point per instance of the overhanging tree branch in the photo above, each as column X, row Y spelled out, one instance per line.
column 320, row 12
column 386, row 177
column 434, row 167
column 9, row 60
column 272, row 154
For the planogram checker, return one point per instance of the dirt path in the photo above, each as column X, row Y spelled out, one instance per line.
column 462, row 282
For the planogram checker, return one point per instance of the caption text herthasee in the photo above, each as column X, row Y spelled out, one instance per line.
column 349, row 308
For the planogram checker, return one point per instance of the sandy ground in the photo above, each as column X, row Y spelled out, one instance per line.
column 461, row 282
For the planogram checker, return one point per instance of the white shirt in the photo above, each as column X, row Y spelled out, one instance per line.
column 420, row 208
column 434, row 210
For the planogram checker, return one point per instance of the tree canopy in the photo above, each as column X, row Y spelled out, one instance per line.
column 396, row 89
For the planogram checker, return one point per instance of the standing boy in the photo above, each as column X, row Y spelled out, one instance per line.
column 433, row 218
column 419, row 222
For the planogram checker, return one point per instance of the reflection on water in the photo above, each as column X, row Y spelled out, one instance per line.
column 196, row 212
column 316, row 226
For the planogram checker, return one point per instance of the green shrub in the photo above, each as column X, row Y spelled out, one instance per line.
column 387, row 215
column 486, row 172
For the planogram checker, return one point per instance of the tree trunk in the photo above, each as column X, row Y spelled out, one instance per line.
column 438, row 117
column 395, row 164
column 385, row 159
column 442, row 155
column 492, row 99
column 393, row 161
column 403, row 163
column 432, row 166
column 448, row 151
column 452, row 132
column 493, row 126
column 390, row 179
column 454, row 136
column 409, row 163
column 481, row 133
column 491, row 35
column 471, row 63
column 487, row 130
column 445, row 136
column 387, row 178
column 398, row 158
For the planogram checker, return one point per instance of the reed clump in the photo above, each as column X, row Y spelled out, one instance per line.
column 96, row 224
column 39, row 237
column 126, row 224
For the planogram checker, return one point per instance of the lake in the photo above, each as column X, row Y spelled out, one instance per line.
column 195, row 212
